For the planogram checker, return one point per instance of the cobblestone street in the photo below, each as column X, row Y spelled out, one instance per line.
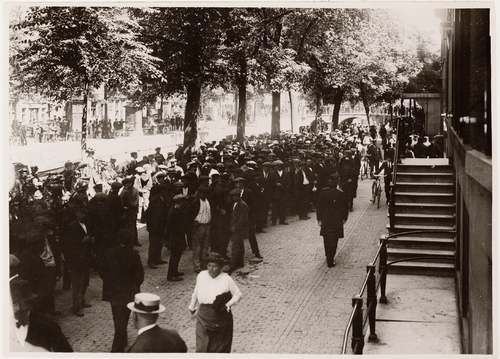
column 292, row 303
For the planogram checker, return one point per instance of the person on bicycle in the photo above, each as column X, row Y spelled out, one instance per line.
column 386, row 169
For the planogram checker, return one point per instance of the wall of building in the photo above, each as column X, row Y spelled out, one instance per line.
column 466, row 102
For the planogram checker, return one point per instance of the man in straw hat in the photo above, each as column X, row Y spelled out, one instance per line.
column 152, row 338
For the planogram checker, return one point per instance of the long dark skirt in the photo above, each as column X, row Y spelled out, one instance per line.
column 214, row 330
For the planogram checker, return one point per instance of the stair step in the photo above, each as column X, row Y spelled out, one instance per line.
column 424, row 194
column 423, row 268
column 425, row 173
column 422, row 242
column 425, row 183
column 414, row 252
column 413, row 227
column 410, row 204
column 424, row 215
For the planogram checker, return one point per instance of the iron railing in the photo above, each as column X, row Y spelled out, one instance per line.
column 392, row 205
column 359, row 317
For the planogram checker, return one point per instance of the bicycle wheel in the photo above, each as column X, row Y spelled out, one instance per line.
column 379, row 191
column 374, row 191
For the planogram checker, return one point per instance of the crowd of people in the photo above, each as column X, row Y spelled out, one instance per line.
column 211, row 200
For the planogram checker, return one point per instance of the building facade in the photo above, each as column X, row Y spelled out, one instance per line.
column 466, row 113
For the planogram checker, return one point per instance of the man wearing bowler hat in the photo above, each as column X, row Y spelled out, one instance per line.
column 151, row 338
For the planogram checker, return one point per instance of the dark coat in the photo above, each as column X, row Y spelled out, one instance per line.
column 99, row 220
column 159, row 340
column 156, row 214
column 122, row 274
column 332, row 211
column 44, row 332
column 239, row 220
column 175, row 229
column 76, row 250
column 280, row 184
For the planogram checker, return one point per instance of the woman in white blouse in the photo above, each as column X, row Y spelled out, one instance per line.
column 213, row 296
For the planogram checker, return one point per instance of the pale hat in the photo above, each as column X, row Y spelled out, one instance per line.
column 140, row 169
column 146, row 303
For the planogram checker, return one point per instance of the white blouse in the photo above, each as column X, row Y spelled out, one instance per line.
column 207, row 288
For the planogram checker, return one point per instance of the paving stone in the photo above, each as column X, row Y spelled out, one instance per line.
column 292, row 303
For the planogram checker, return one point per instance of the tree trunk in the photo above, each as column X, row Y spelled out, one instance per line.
column 366, row 104
column 337, row 103
column 160, row 111
column 291, row 110
column 84, row 119
column 191, row 115
column 242, row 102
column 275, row 114
column 235, row 108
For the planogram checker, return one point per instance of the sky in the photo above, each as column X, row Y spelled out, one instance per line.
column 423, row 19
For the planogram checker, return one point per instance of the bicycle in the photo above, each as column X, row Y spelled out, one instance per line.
column 377, row 189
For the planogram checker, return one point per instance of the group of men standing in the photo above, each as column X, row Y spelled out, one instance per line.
column 210, row 200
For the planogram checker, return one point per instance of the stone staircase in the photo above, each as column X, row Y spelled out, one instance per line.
column 425, row 201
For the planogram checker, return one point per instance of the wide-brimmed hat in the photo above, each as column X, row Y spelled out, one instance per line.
column 140, row 169
column 146, row 303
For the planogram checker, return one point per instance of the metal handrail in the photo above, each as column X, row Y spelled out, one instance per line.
column 392, row 207
column 372, row 292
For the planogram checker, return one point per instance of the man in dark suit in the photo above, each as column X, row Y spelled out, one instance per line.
column 303, row 178
column 280, row 180
column 122, row 275
column 130, row 201
column 332, row 212
column 155, row 218
column 176, row 236
column 31, row 326
column 265, row 185
column 152, row 338
column 76, row 249
column 239, row 229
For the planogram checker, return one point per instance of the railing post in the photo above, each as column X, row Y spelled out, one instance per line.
column 382, row 269
column 371, row 302
column 392, row 206
column 358, row 338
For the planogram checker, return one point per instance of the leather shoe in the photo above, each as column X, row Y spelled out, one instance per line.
column 78, row 313
column 161, row 262
column 152, row 266
column 86, row 305
column 284, row 223
column 258, row 256
column 175, row 279
column 179, row 273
